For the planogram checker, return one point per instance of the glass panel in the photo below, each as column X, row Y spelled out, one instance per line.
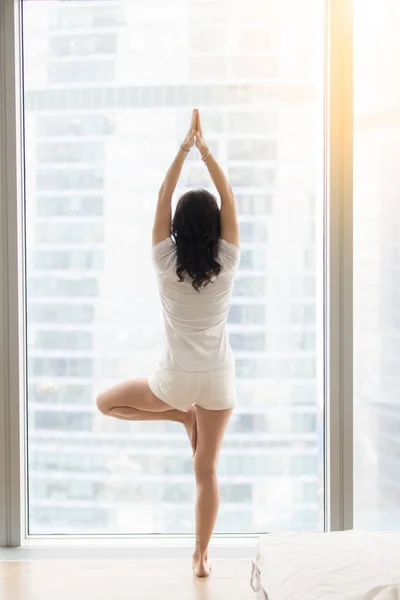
column 108, row 91
column 376, row 265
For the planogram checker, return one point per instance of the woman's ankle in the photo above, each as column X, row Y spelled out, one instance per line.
column 201, row 566
column 200, row 555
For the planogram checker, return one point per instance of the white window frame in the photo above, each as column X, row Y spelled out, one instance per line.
column 12, row 288
column 339, row 267
column 338, row 255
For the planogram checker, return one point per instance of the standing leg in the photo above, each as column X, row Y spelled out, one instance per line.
column 133, row 400
column 211, row 425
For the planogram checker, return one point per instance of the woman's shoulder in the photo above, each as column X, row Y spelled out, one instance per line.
column 163, row 254
column 229, row 255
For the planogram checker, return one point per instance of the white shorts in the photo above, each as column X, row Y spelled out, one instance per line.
column 214, row 390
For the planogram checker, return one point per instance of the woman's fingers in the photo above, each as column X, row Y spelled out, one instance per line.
column 195, row 133
column 193, row 121
column 199, row 128
column 191, row 133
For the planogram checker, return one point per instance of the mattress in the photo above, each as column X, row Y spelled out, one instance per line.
column 346, row 565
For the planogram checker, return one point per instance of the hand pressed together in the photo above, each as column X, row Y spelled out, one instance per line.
column 200, row 142
column 188, row 142
column 195, row 134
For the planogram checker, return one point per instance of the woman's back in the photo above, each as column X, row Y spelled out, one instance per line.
column 195, row 321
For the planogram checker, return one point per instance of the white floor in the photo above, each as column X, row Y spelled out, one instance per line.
column 122, row 579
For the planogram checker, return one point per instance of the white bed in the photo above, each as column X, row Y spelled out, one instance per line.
column 347, row 565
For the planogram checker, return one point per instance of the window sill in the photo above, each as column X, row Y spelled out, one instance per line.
column 110, row 548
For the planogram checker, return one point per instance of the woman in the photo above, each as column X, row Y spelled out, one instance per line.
column 195, row 257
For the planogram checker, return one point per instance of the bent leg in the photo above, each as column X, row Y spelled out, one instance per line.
column 133, row 400
column 134, row 393
column 211, row 426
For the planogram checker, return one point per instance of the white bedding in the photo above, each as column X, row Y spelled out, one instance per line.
column 347, row 565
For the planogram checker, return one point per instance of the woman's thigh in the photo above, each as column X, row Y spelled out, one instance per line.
column 211, row 427
column 134, row 393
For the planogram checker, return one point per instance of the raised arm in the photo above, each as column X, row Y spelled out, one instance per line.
column 229, row 220
column 162, row 219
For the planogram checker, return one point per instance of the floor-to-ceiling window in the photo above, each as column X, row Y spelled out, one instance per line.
column 376, row 264
column 108, row 90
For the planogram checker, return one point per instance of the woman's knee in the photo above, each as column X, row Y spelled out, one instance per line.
column 103, row 403
column 205, row 470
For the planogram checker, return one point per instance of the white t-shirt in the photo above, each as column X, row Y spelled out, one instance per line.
column 195, row 322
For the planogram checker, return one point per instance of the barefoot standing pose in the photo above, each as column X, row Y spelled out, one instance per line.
column 196, row 255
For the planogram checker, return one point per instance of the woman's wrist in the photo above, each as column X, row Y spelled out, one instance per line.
column 185, row 148
column 203, row 150
column 207, row 157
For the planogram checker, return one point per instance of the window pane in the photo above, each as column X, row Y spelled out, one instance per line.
column 108, row 91
column 376, row 265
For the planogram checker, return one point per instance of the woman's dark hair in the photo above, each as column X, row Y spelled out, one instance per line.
column 196, row 228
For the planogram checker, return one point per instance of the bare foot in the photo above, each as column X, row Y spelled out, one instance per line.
column 201, row 566
column 191, row 427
